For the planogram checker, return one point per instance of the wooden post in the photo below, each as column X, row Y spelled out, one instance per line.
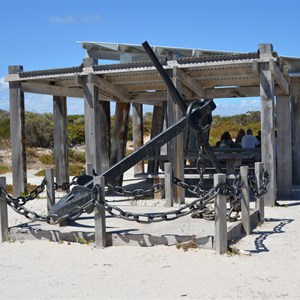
column 295, row 102
column 61, row 139
column 104, row 135
column 176, row 145
column 118, row 149
column 157, row 127
column 169, row 184
column 100, row 222
column 259, row 204
column 137, row 128
column 284, row 147
column 89, row 169
column 92, row 121
column 17, row 134
column 3, row 214
column 50, row 188
column 220, row 218
column 267, row 121
column 245, row 203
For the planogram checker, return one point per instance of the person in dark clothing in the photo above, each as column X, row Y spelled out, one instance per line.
column 226, row 141
column 239, row 136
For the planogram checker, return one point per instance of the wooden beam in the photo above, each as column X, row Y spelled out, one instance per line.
column 48, row 89
column 154, row 98
column 255, row 67
column 190, row 82
column 109, row 89
column 279, row 77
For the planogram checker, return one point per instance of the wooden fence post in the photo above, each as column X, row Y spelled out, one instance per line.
column 169, row 184
column 3, row 214
column 220, row 217
column 50, row 188
column 245, row 203
column 100, row 222
column 89, row 169
column 259, row 204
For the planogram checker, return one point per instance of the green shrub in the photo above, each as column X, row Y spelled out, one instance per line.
column 4, row 169
column 47, row 159
column 75, row 169
column 76, row 134
column 77, row 156
column 39, row 130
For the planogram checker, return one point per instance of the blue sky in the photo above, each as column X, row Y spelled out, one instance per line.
column 43, row 34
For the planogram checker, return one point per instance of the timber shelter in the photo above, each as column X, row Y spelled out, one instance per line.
column 196, row 73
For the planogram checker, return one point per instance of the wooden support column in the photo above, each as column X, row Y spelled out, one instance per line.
column 259, row 204
column 118, row 149
column 50, row 188
column 17, row 134
column 99, row 212
column 295, row 103
column 104, row 135
column 157, row 127
column 3, row 214
column 137, row 128
column 267, row 121
column 221, row 242
column 168, row 184
column 97, row 121
column 176, row 145
column 245, row 203
column 284, row 147
column 61, row 139
column 92, row 125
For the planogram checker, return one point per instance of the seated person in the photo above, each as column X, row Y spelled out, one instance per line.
column 226, row 141
column 249, row 141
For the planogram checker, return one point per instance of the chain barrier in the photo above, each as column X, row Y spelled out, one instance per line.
column 137, row 194
column 22, row 200
column 232, row 193
column 147, row 218
column 255, row 189
column 198, row 208
column 66, row 185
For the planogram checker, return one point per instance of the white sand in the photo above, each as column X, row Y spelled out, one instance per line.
column 267, row 268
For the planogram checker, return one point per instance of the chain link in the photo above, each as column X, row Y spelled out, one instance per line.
column 137, row 194
column 32, row 195
column 66, row 185
column 256, row 190
column 147, row 218
column 198, row 207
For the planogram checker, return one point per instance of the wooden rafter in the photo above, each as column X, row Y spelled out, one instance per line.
column 279, row 77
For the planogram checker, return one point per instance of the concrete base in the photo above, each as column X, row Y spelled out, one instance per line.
column 121, row 232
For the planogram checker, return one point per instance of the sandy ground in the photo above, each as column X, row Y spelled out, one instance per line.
column 267, row 267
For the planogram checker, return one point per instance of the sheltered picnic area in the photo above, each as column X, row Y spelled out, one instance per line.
column 133, row 80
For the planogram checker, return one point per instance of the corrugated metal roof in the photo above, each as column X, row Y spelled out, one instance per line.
column 114, row 51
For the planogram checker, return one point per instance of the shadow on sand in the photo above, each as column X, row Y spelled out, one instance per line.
column 263, row 235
